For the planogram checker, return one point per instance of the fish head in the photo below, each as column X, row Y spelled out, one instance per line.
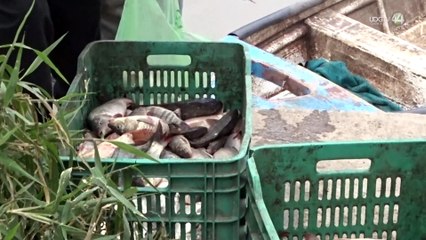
column 100, row 125
column 117, row 125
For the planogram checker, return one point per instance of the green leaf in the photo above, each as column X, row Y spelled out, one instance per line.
column 12, row 232
column 41, row 56
column 6, row 137
column 19, row 115
column 131, row 149
column 126, row 233
column 14, row 78
column 64, row 181
column 108, row 238
column 12, row 165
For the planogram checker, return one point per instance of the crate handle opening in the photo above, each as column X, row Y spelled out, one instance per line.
column 343, row 165
column 169, row 60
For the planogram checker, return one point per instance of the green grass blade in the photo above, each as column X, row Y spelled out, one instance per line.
column 14, row 78
column 41, row 56
column 6, row 137
column 12, row 165
column 133, row 150
column 12, row 112
column 64, row 181
column 12, row 232
column 108, row 238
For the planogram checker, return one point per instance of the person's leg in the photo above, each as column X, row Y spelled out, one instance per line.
column 80, row 20
column 38, row 35
column 110, row 18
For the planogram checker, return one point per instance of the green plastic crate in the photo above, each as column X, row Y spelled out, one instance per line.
column 291, row 191
column 222, row 70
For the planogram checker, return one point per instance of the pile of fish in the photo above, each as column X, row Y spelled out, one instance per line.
column 191, row 129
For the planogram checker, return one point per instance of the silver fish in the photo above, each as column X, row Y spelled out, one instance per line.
column 206, row 122
column 225, row 153
column 168, row 154
column 99, row 117
column 107, row 149
column 180, row 146
column 166, row 115
column 234, row 141
column 200, row 153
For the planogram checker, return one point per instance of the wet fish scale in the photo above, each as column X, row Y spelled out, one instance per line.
column 180, row 146
column 165, row 114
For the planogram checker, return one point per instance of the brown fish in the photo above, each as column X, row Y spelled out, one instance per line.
column 222, row 127
column 99, row 117
column 180, row 146
column 126, row 124
column 216, row 145
column 200, row 153
column 142, row 128
column 166, row 115
column 225, row 153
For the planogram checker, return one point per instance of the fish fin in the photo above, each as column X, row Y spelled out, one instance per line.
column 178, row 112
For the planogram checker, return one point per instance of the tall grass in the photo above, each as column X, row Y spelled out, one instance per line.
column 38, row 197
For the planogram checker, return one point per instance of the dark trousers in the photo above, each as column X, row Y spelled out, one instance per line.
column 49, row 20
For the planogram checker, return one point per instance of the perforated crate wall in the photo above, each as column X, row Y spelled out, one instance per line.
column 302, row 193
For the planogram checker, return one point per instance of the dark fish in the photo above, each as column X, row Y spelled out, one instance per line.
column 223, row 127
column 216, row 144
column 168, row 154
column 164, row 114
column 225, row 153
column 180, row 146
column 194, row 133
column 99, row 117
column 193, row 108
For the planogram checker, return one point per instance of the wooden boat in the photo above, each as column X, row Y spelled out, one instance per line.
column 381, row 40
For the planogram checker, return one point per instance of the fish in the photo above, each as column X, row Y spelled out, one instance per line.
column 234, row 141
column 120, row 153
column 166, row 115
column 107, row 149
column 216, row 144
column 310, row 236
column 207, row 121
column 142, row 128
column 195, row 132
column 146, row 182
column 122, row 125
column 200, row 153
column 180, row 146
column 99, row 117
column 192, row 108
column 225, row 153
column 222, row 127
column 168, row 154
